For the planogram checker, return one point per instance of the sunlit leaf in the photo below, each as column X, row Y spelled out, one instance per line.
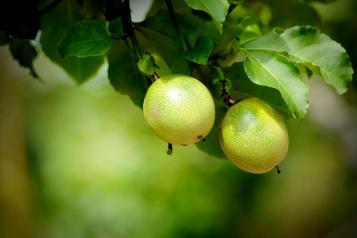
column 217, row 9
column 151, row 64
column 317, row 51
column 277, row 71
column 243, row 87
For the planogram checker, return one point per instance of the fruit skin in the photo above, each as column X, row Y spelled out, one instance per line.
column 253, row 136
column 179, row 109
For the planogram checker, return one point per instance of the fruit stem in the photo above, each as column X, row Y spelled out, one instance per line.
column 278, row 171
column 225, row 95
column 169, row 149
column 154, row 77
column 174, row 22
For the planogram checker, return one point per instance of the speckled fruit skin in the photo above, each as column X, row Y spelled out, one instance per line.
column 253, row 136
column 179, row 109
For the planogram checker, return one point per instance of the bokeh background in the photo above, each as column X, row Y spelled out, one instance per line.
column 80, row 162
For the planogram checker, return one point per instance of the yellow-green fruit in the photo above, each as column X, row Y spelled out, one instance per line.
column 253, row 136
column 179, row 109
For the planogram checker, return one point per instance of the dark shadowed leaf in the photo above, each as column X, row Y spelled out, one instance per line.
column 4, row 38
column 200, row 53
column 86, row 38
column 123, row 73
column 55, row 24
column 168, row 49
column 289, row 13
column 116, row 28
column 24, row 53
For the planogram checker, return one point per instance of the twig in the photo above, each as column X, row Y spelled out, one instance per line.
column 49, row 7
column 174, row 22
column 128, row 27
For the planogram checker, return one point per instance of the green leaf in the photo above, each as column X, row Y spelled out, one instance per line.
column 243, row 87
column 86, row 38
column 277, row 71
column 249, row 33
column 201, row 51
column 306, row 45
column 153, row 41
column 123, row 73
column 146, row 64
column 151, row 64
column 217, row 9
column 55, row 24
column 24, row 53
column 231, row 30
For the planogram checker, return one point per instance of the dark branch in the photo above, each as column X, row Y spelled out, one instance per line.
column 128, row 28
column 174, row 22
column 49, row 7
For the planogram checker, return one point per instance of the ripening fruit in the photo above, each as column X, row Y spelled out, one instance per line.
column 253, row 136
column 179, row 109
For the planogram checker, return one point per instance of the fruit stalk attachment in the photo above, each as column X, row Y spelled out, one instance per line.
column 226, row 98
column 169, row 149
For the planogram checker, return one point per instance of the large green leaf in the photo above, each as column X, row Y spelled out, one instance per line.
column 123, row 73
column 55, row 24
column 86, row 38
column 318, row 52
column 277, row 71
column 243, row 87
column 217, row 9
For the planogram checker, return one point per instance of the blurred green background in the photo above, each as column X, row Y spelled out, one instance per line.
column 81, row 162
